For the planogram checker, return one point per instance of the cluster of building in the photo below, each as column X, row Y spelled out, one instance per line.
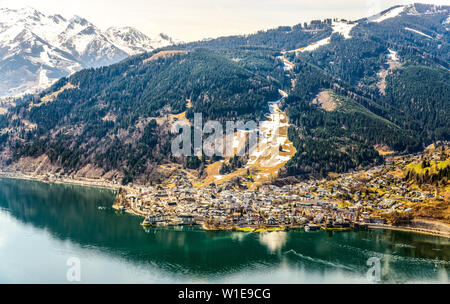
column 351, row 200
column 271, row 207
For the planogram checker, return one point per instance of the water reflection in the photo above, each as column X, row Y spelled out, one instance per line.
column 238, row 236
column 71, row 213
column 274, row 241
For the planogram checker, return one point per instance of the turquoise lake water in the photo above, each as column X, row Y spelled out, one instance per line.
column 42, row 226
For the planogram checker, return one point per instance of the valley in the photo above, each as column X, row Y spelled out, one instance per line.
column 314, row 152
column 329, row 98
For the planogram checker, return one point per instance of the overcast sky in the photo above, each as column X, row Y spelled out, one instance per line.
column 196, row 19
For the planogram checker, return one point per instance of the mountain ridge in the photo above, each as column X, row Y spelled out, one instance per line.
column 117, row 118
column 45, row 48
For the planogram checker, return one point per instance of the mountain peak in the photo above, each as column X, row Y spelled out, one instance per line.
column 121, row 29
column 79, row 20
column 416, row 9
column 57, row 18
column 387, row 14
column 31, row 42
column 8, row 15
column 126, row 31
column 425, row 9
column 133, row 41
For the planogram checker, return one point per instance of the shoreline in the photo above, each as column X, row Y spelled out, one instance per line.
column 369, row 226
column 77, row 182
column 411, row 230
column 111, row 186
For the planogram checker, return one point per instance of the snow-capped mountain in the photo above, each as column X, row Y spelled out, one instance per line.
column 416, row 9
column 132, row 41
column 36, row 49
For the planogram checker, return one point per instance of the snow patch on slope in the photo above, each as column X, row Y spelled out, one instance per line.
column 287, row 65
column 342, row 27
column 394, row 12
column 134, row 42
column 315, row 45
column 431, row 9
column 418, row 32
column 447, row 21
column 393, row 55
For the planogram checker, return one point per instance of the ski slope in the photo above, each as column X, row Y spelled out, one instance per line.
column 342, row 27
column 418, row 32
column 387, row 15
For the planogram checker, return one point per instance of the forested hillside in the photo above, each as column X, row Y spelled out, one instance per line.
column 381, row 84
column 423, row 95
column 103, row 116
column 281, row 38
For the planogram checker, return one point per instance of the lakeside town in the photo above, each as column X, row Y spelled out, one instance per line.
column 379, row 197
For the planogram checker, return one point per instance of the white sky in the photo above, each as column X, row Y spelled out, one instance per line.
column 196, row 19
